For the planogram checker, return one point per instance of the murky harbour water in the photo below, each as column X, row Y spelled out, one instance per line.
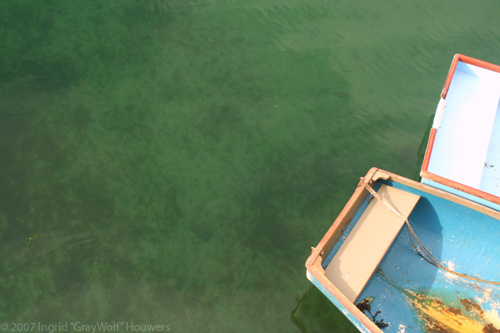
column 172, row 162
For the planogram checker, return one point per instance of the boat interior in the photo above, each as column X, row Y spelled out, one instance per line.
column 466, row 148
column 392, row 284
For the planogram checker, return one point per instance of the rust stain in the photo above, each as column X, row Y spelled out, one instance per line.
column 454, row 311
column 490, row 329
column 462, row 315
column 472, row 306
column 439, row 317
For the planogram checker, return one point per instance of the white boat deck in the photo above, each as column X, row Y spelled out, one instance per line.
column 466, row 147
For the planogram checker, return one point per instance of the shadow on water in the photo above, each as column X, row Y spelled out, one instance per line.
column 315, row 313
column 422, row 148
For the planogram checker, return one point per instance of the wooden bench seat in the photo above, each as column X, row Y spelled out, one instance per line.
column 365, row 246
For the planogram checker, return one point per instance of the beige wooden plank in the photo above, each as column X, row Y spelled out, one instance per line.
column 365, row 246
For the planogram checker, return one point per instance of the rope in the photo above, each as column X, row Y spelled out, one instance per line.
column 418, row 246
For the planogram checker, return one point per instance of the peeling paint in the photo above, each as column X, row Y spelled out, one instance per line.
column 451, row 312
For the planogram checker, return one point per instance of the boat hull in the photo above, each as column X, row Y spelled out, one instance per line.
column 406, row 293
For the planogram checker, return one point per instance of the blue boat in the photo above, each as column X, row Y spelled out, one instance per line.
column 406, row 256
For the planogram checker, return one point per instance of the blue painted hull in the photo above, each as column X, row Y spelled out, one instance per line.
column 408, row 294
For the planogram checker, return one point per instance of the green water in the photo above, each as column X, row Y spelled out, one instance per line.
column 172, row 162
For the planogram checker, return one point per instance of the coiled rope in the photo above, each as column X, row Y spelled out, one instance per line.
column 418, row 246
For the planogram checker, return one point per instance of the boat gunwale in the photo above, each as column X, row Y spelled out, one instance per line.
column 332, row 236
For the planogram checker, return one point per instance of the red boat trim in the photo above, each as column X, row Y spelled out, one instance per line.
column 428, row 151
column 457, row 186
column 467, row 60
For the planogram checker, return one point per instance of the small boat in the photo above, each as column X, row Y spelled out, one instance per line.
column 406, row 256
column 463, row 152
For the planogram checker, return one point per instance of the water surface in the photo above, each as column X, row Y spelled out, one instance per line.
column 172, row 162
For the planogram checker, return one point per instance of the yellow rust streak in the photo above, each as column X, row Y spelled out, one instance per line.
column 437, row 312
